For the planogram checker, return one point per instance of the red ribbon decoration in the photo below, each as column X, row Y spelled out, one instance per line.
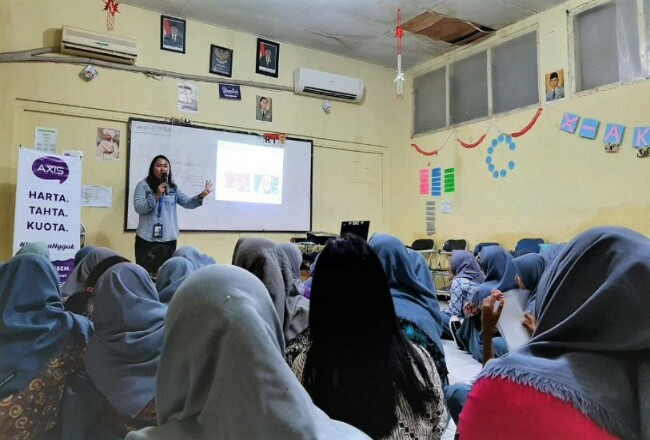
column 426, row 153
column 521, row 132
column 111, row 6
column 475, row 144
column 399, row 31
column 533, row 121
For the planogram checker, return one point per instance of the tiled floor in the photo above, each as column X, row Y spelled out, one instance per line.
column 462, row 368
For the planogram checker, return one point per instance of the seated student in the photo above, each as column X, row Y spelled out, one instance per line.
column 76, row 281
column 467, row 277
column 81, row 253
column 499, row 271
column 42, row 346
column 264, row 259
column 414, row 298
column 222, row 375
column 170, row 276
column 194, row 256
column 295, row 258
column 529, row 268
column 39, row 248
column 358, row 367
column 122, row 356
column 585, row 371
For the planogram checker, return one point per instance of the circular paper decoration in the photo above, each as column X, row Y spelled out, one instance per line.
column 503, row 141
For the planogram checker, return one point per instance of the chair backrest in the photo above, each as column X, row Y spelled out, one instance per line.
column 422, row 244
column 454, row 244
column 529, row 244
column 479, row 247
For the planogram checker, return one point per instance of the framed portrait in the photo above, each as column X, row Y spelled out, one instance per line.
column 220, row 61
column 554, row 85
column 172, row 34
column 263, row 108
column 268, row 58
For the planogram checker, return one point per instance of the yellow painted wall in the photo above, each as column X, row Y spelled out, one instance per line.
column 562, row 184
column 352, row 145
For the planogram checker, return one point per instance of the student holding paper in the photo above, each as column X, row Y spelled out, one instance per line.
column 584, row 374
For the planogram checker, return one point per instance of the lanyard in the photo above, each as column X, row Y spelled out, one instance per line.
column 160, row 200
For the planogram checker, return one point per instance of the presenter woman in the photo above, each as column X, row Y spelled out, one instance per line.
column 155, row 200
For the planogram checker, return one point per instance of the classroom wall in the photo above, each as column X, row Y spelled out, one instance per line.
column 561, row 184
column 352, row 144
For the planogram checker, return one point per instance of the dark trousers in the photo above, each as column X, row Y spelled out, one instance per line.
column 142, row 248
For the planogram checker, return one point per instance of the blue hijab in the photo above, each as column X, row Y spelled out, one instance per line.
column 530, row 268
column 38, row 247
column 81, row 253
column 464, row 265
column 170, row 276
column 195, row 256
column 295, row 258
column 123, row 355
column 592, row 342
column 34, row 326
column 499, row 273
column 413, row 294
column 551, row 251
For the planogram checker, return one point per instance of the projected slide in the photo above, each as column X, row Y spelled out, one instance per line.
column 249, row 173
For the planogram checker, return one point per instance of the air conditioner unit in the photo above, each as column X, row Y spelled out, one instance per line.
column 327, row 85
column 100, row 46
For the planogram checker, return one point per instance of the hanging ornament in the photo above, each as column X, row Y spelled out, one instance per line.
column 111, row 7
column 399, row 79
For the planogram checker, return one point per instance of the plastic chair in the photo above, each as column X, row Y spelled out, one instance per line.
column 527, row 246
column 426, row 247
column 479, row 247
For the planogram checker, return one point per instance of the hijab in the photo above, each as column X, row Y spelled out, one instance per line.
column 34, row 327
column 413, row 294
column 264, row 259
column 122, row 357
column 39, row 248
column 464, row 265
column 170, row 276
column 294, row 255
column 76, row 282
column 222, row 373
column 499, row 271
column 549, row 252
column 195, row 256
column 81, row 253
column 530, row 268
column 591, row 347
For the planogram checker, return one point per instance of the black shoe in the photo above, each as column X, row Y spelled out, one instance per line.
column 454, row 326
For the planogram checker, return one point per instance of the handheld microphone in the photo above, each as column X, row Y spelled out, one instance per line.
column 166, row 180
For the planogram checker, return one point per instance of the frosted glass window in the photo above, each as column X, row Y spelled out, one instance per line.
column 430, row 101
column 514, row 74
column 606, row 45
column 468, row 91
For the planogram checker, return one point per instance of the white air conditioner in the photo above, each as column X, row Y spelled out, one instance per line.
column 100, row 46
column 327, row 85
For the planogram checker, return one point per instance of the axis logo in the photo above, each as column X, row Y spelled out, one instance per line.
column 51, row 168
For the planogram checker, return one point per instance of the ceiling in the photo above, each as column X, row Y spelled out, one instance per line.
column 358, row 29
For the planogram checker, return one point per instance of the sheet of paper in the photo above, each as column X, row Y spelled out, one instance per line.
column 96, row 196
column 509, row 324
column 445, row 207
column 45, row 139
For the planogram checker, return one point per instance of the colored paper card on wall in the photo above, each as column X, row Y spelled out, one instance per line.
column 424, row 181
column 569, row 123
column 589, row 128
column 450, row 180
column 436, row 182
column 641, row 137
column 614, row 134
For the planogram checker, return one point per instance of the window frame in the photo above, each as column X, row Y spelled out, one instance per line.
column 486, row 46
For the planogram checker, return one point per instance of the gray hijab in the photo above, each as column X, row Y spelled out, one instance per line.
column 194, row 256
column 295, row 258
column 76, row 282
column 39, row 248
column 264, row 259
column 222, row 374
column 592, row 343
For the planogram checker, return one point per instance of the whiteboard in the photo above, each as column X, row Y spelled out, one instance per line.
column 193, row 152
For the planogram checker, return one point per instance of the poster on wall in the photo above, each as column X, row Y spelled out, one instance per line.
column 554, row 85
column 188, row 98
column 108, row 144
column 48, row 197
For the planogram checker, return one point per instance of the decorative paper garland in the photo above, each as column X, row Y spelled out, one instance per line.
column 469, row 145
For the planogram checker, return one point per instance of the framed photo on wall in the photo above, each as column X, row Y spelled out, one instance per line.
column 172, row 34
column 268, row 58
column 220, row 61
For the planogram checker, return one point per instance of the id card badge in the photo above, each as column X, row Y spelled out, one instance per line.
column 157, row 230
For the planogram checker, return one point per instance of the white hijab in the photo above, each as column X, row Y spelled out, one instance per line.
column 222, row 373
